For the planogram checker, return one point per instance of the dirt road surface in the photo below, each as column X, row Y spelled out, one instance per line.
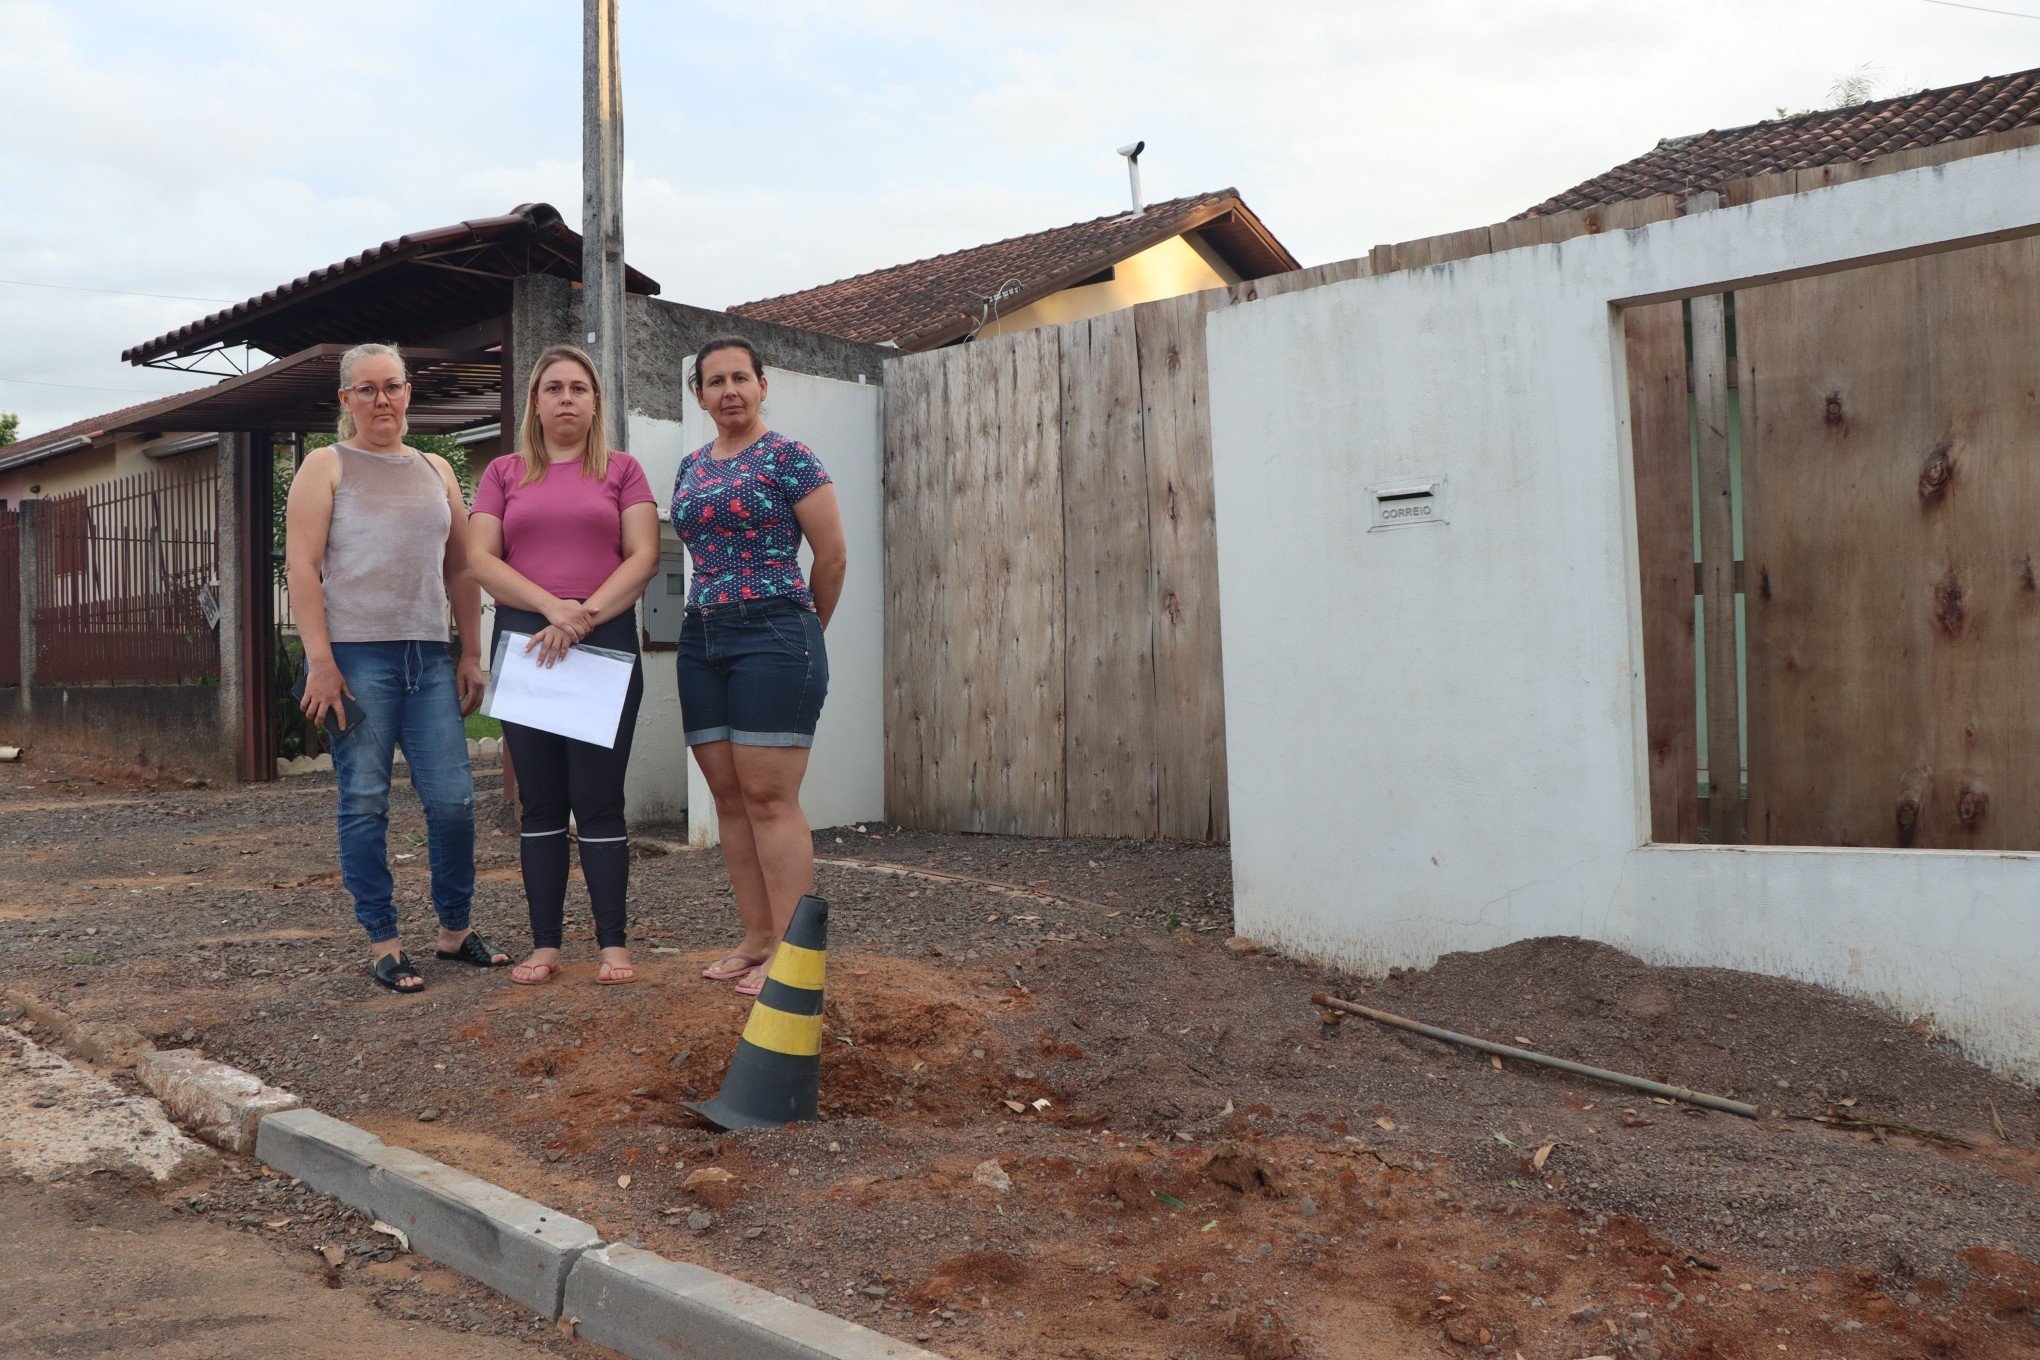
column 99, row 1267
column 1082, row 1121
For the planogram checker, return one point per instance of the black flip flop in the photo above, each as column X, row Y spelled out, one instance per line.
column 394, row 970
column 475, row 950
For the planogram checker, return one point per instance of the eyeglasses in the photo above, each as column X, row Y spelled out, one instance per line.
column 366, row 392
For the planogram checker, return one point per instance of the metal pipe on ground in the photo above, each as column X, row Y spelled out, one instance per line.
column 1657, row 1088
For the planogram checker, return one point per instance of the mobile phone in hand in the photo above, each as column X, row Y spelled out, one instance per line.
column 354, row 712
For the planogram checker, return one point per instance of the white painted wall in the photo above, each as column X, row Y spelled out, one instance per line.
column 1435, row 734
column 843, row 423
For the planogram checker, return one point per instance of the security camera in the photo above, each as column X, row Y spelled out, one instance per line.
column 1133, row 148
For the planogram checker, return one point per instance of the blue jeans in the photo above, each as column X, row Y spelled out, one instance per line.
column 409, row 697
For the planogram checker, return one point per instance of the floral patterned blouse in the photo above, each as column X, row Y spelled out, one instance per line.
column 736, row 518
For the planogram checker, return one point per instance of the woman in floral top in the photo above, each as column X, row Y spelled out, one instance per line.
column 753, row 669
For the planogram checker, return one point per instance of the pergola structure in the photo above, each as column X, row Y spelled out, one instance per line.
column 445, row 295
column 447, row 286
column 450, row 390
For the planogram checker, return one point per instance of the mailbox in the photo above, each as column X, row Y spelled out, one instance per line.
column 666, row 597
column 1407, row 504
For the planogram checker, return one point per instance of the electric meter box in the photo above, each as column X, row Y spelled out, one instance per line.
column 666, row 598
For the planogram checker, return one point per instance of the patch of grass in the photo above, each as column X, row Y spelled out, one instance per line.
column 81, row 960
column 479, row 727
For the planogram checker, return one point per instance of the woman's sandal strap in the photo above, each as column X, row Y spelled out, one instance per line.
column 477, row 951
column 393, row 970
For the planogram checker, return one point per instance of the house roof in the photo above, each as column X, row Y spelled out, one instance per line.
column 78, row 434
column 1684, row 165
column 412, row 289
column 934, row 301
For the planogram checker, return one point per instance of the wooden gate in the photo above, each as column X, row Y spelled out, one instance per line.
column 1052, row 647
column 1872, row 438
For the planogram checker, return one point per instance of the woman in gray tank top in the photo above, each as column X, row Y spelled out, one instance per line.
column 376, row 550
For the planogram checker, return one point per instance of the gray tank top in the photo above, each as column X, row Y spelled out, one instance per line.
column 386, row 550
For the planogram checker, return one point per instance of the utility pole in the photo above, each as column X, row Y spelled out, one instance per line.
column 602, row 207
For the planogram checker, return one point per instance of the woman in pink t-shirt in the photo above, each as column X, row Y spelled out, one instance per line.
column 564, row 536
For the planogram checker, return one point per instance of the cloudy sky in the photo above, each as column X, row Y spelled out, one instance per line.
column 210, row 149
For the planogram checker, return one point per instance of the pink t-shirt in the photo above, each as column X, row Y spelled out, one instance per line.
column 563, row 532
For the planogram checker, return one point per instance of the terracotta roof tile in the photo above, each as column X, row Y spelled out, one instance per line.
column 36, row 447
column 1684, row 165
column 930, row 302
column 532, row 238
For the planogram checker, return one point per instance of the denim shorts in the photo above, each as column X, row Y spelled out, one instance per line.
column 753, row 672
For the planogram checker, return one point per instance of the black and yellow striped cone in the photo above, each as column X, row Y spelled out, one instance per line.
column 775, row 1075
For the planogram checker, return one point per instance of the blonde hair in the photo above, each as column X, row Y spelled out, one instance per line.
column 348, row 363
column 531, row 435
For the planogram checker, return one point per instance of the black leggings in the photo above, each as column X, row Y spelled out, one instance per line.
column 556, row 775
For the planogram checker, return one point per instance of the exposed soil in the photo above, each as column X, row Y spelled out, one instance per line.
column 1216, row 1171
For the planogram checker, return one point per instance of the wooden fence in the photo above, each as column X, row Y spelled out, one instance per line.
column 125, row 574
column 1850, row 604
column 1891, row 527
column 1052, row 648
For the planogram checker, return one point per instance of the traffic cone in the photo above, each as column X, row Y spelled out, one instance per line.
column 775, row 1075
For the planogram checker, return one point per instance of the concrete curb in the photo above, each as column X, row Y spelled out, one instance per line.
column 220, row 1104
column 631, row 1301
column 511, row 1244
column 644, row 1306
column 211, row 1101
column 110, row 1045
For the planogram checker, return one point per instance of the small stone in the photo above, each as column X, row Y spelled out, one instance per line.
column 990, row 1173
column 753, row 1234
column 1307, row 1207
column 682, row 1056
column 700, row 1221
column 873, row 1291
column 1241, row 946
column 428, row 1115
column 707, row 1175
column 44, row 1104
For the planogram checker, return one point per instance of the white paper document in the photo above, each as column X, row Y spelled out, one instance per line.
column 579, row 696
